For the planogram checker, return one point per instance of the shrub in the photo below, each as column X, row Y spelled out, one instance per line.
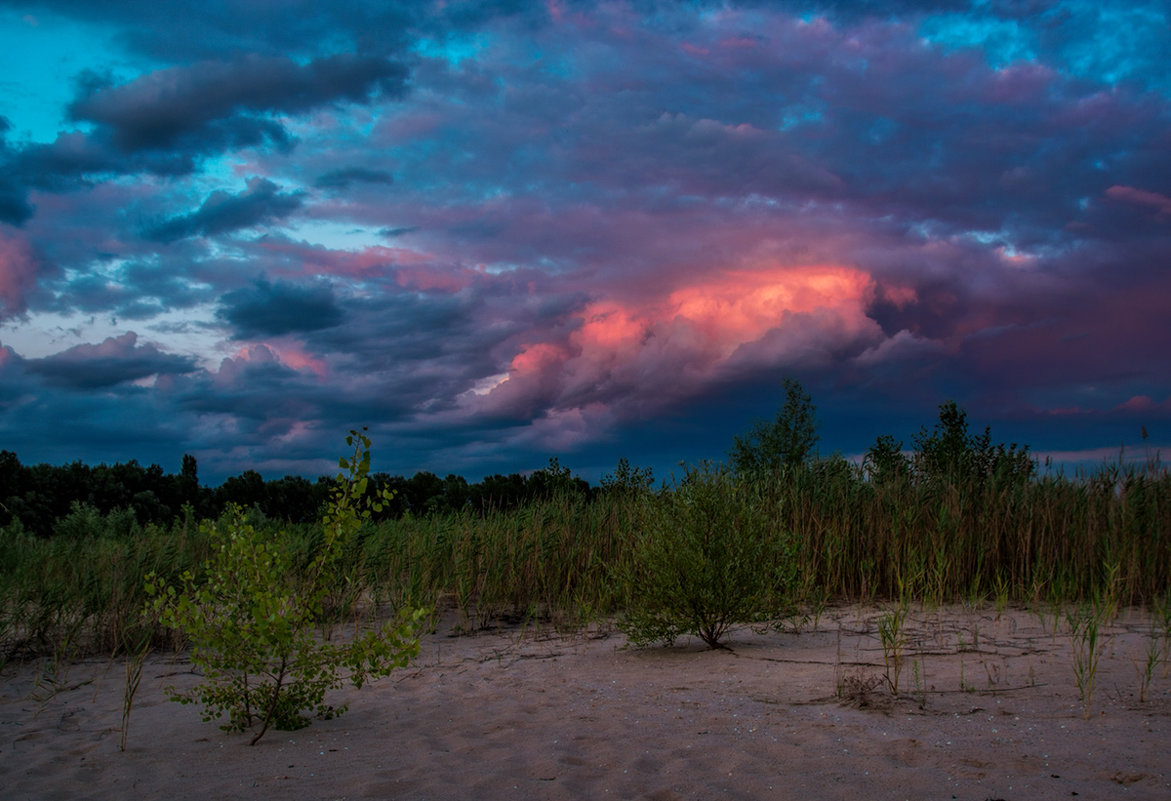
column 707, row 557
column 250, row 619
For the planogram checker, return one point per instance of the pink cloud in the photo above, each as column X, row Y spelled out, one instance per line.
column 18, row 274
column 538, row 357
column 1139, row 403
column 301, row 258
column 286, row 354
column 660, row 348
column 429, row 278
column 1141, row 197
column 898, row 296
column 290, row 355
column 1145, row 404
column 294, row 356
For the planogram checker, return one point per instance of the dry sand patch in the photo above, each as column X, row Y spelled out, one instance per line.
column 527, row 713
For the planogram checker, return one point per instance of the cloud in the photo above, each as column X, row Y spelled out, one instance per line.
column 19, row 269
column 14, row 206
column 117, row 360
column 343, row 177
column 164, row 122
column 593, row 226
column 1141, row 197
column 208, row 105
column 275, row 309
column 635, row 359
column 222, row 212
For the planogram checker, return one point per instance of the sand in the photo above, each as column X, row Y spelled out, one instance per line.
column 988, row 709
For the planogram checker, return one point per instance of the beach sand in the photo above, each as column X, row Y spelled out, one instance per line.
column 988, row 709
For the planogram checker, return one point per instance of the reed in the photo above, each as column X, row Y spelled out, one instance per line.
column 1048, row 541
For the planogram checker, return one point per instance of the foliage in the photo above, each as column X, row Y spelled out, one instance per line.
column 707, row 558
column 884, row 462
column 785, row 443
column 251, row 622
column 949, row 454
column 504, row 554
column 41, row 496
column 627, row 479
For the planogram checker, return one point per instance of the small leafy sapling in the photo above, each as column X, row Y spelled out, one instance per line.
column 251, row 623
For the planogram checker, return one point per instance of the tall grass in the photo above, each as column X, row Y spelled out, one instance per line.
column 1032, row 539
column 548, row 559
column 1048, row 539
column 72, row 595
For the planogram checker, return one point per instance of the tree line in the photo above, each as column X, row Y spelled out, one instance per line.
column 46, row 499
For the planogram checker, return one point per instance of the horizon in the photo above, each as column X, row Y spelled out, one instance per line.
column 1059, row 465
column 499, row 233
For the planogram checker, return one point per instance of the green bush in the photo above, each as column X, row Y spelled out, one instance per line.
column 250, row 619
column 707, row 557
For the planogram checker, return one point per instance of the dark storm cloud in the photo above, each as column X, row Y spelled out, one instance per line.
column 343, row 177
column 222, row 212
column 163, row 122
column 394, row 233
column 14, row 205
column 253, row 384
column 182, row 106
column 275, row 309
column 116, row 361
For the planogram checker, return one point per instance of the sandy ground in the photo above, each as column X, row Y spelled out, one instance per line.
column 988, row 709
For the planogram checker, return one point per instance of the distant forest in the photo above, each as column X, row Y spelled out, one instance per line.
column 43, row 497
column 48, row 500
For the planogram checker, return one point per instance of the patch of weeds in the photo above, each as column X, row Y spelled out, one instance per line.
column 859, row 691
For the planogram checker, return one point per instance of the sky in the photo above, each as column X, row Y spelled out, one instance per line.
column 499, row 232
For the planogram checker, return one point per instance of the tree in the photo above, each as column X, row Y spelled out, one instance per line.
column 949, row 454
column 628, row 480
column 552, row 480
column 455, row 492
column 885, row 462
column 245, row 490
column 785, row 443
